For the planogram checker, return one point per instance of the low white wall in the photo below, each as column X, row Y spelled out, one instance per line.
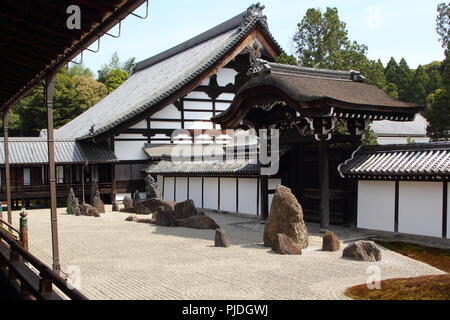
column 181, row 187
column 210, row 193
column 169, row 183
column 195, row 191
column 376, row 205
column 420, row 208
column 228, row 194
column 247, row 195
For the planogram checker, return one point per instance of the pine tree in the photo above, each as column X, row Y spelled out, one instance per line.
column 435, row 82
column 405, row 76
column 417, row 90
column 391, row 90
column 391, row 71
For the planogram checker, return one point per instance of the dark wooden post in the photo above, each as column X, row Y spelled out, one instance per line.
column 113, row 183
column 264, row 197
column 24, row 229
column 7, row 166
column 324, row 178
column 49, row 95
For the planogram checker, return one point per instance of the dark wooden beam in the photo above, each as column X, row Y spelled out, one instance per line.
column 324, row 177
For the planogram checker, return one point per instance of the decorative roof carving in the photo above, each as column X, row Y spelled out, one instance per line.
column 254, row 11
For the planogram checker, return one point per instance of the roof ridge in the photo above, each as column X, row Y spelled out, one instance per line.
column 440, row 145
column 280, row 68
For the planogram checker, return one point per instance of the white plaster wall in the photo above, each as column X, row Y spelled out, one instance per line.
column 195, row 191
column 159, row 181
column 210, row 196
column 197, row 105
column 448, row 212
column 197, row 95
column 169, row 112
column 222, row 106
column 226, row 96
column 401, row 140
column 165, row 125
column 226, row 76
column 198, row 125
column 188, row 115
column 228, row 194
column 169, row 188
column 140, row 125
column 420, row 208
column 248, row 196
column 182, row 186
column 376, row 205
column 273, row 183
column 129, row 150
column 120, row 196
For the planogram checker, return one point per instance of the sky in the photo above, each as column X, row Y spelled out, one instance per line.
column 390, row 28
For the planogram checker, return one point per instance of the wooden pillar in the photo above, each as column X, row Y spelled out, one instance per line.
column 264, row 197
column 7, row 166
column 24, row 229
column 82, row 185
column 113, row 183
column 324, row 178
column 49, row 95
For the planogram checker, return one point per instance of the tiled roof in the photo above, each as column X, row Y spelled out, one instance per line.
column 239, row 166
column 159, row 77
column 408, row 161
column 34, row 151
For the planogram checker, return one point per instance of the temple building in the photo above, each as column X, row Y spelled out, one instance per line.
column 193, row 95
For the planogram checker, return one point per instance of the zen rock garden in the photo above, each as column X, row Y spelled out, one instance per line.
column 285, row 231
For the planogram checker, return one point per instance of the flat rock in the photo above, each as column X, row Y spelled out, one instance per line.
column 151, row 206
column 164, row 217
column 330, row 242
column 185, row 209
column 363, row 251
column 197, row 222
column 88, row 210
column 221, row 239
column 132, row 217
column 286, row 217
column 285, row 245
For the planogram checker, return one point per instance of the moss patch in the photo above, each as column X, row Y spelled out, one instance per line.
column 438, row 258
column 419, row 288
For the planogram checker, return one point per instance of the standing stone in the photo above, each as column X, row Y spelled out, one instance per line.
column 285, row 245
column 363, row 251
column 115, row 206
column 185, row 209
column 286, row 217
column 98, row 203
column 221, row 239
column 330, row 242
column 94, row 190
column 127, row 203
column 72, row 203
column 151, row 188
column 136, row 197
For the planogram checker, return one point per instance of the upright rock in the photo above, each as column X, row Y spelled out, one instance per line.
column 330, row 242
column 94, row 190
column 285, row 245
column 151, row 188
column 72, row 203
column 98, row 203
column 136, row 197
column 221, row 239
column 127, row 203
column 363, row 251
column 286, row 217
column 185, row 209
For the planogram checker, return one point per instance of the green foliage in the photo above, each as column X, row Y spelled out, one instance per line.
column 443, row 24
column 286, row 59
column 404, row 79
column 438, row 114
column 114, row 73
column 392, row 90
column 75, row 92
column 374, row 73
column 322, row 41
column 417, row 91
column 410, row 140
column 435, row 82
column 369, row 138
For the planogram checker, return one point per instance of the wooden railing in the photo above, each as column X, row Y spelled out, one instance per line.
column 29, row 276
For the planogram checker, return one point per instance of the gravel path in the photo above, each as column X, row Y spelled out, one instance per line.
column 127, row 260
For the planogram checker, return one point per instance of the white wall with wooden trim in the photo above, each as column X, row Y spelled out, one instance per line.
column 417, row 206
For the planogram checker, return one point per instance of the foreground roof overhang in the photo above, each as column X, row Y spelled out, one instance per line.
column 415, row 161
column 35, row 40
column 314, row 93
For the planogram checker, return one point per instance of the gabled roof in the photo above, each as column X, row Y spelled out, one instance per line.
column 415, row 161
column 158, row 78
column 32, row 150
column 301, row 88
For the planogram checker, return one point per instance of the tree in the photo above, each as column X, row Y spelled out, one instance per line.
column 392, row 90
column 75, row 92
column 322, row 41
column 374, row 73
column 114, row 73
column 417, row 91
column 443, row 24
column 435, row 82
column 405, row 76
column 286, row 59
column 391, row 71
